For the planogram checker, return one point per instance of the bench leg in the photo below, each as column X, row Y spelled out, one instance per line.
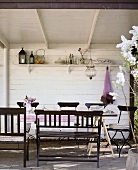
column 27, row 155
column 38, row 150
column 24, row 160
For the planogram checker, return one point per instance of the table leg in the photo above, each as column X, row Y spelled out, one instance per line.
column 110, row 149
column 107, row 138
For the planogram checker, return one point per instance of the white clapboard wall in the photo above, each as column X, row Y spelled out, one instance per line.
column 1, row 77
column 49, row 84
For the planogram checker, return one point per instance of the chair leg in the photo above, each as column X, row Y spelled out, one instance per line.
column 113, row 141
column 98, row 152
column 125, row 142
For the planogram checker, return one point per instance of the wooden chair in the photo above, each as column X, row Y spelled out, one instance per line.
column 13, row 132
column 121, row 129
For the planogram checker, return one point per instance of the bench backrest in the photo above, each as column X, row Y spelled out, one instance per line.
column 67, row 119
column 10, row 124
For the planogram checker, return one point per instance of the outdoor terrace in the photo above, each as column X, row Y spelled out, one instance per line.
column 107, row 162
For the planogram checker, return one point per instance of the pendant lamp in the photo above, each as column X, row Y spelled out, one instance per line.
column 90, row 71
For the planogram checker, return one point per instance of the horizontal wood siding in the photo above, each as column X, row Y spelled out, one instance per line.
column 50, row 85
column 1, row 77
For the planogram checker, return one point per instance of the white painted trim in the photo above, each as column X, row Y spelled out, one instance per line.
column 41, row 27
column 93, row 27
column 4, row 40
column 6, row 78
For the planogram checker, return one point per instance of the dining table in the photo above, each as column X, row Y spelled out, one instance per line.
column 106, row 146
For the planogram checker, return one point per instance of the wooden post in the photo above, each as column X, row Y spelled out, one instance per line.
column 131, row 103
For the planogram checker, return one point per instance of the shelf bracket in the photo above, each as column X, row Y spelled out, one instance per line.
column 29, row 68
column 69, row 69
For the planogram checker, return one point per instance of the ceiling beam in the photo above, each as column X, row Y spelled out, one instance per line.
column 94, row 20
column 4, row 41
column 41, row 27
column 68, row 4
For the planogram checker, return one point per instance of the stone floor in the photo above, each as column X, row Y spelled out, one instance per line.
column 14, row 159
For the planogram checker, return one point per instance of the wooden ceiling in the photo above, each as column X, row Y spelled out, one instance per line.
column 65, row 26
column 66, row 21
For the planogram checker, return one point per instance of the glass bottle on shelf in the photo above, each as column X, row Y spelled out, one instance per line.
column 31, row 59
column 72, row 59
column 69, row 60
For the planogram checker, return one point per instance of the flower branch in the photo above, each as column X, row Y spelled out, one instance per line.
column 129, row 51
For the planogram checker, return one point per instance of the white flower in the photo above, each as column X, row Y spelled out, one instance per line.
column 121, row 78
column 134, row 41
column 125, row 45
column 134, row 73
column 129, row 57
column 134, row 31
column 115, row 95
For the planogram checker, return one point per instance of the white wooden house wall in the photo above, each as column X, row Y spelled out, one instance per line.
column 1, row 77
column 49, row 84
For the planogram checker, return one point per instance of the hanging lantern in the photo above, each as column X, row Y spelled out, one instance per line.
column 22, row 57
column 90, row 70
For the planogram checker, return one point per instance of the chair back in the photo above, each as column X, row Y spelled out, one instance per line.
column 21, row 104
column 88, row 105
column 68, row 104
column 130, row 109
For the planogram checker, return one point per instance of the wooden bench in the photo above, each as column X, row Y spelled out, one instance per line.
column 53, row 125
column 12, row 132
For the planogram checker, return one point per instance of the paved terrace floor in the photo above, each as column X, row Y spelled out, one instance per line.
column 14, row 160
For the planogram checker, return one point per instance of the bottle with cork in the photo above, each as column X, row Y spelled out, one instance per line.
column 31, row 59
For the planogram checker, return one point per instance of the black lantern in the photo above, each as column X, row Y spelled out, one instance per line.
column 22, row 57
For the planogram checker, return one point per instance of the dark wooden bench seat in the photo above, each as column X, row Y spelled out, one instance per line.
column 13, row 131
column 84, row 130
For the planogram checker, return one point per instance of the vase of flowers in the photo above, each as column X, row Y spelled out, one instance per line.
column 129, row 55
column 27, row 102
column 82, row 52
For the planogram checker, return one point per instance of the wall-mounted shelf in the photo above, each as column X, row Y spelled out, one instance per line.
column 69, row 66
